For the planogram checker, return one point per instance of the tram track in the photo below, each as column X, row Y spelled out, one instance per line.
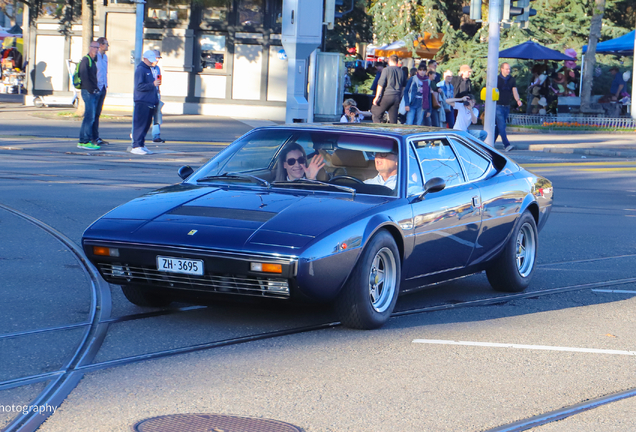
column 64, row 380
column 77, row 371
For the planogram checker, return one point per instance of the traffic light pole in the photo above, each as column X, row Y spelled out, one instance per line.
column 494, row 12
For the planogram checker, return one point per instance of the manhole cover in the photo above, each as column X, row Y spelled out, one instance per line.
column 212, row 423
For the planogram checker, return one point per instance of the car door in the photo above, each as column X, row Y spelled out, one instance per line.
column 445, row 223
column 501, row 198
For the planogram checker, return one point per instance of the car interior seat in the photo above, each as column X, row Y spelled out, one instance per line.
column 353, row 163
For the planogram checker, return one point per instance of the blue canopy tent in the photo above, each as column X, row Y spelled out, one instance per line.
column 533, row 51
column 623, row 45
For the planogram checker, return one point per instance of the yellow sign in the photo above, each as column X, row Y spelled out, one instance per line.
column 495, row 94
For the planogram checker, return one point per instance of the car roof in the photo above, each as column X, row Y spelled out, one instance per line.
column 394, row 130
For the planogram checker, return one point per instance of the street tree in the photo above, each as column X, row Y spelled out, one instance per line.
column 590, row 57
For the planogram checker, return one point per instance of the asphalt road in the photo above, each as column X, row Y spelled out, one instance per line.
column 400, row 377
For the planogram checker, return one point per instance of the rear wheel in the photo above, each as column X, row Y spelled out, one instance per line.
column 142, row 296
column 369, row 296
column 38, row 102
column 513, row 270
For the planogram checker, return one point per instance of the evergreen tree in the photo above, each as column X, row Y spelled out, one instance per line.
column 559, row 24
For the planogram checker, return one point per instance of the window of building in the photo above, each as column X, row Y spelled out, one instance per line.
column 251, row 12
column 169, row 12
column 212, row 52
column 55, row 9
column 275, row 15
column 215, row 12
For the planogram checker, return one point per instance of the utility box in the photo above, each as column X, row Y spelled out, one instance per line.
column 302, row 34
column 330, row 72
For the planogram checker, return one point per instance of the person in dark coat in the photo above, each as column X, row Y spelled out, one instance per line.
column 390, row 89
column 146, row 98
column 90, row 94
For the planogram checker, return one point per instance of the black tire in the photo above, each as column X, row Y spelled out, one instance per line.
column 144, row 297
column 513, row 269
column 38, row 103
column 366, row 302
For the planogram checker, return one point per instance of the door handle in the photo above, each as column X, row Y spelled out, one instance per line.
column 476, row 202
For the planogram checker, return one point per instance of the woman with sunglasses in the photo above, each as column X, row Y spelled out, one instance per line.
column 293, row 164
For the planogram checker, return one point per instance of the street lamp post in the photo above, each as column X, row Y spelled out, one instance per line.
column 492, row 70
column 139, row 30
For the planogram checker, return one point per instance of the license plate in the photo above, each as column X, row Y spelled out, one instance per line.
column 180, row 265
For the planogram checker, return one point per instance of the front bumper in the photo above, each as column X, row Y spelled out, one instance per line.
column 224, row 271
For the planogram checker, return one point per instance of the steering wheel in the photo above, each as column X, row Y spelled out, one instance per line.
column 346, row 177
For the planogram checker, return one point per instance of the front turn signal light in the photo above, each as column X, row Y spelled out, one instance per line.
column 104, row 251
column 266, row 268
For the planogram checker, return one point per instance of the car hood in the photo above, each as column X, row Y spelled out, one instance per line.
column 231, row 218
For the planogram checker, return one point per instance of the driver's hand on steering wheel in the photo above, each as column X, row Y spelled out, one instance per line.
column 317, row 162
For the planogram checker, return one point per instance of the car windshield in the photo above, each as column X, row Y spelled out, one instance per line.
column 308, row 160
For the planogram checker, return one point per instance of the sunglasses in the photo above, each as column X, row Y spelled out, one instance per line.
column 291, row 161
column 382, row 155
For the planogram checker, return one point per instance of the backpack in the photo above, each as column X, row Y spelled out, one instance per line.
column 77, row 81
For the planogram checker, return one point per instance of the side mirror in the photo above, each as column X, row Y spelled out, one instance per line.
column 185, row 172
column 435, row 184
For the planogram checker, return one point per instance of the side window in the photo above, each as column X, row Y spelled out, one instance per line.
column 474, row 163
column 437, row 159
column 415, row 176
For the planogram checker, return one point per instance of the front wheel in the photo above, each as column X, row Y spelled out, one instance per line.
column 142, row 296
column 513, row 270
column 369, row 296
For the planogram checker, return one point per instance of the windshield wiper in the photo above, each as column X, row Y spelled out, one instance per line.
column 230, row 176
column 318, row 182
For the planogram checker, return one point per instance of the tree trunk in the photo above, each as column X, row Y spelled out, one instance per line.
column 590, row 56
column 87, row 38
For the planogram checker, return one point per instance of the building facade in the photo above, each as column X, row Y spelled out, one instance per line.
column 220, row 57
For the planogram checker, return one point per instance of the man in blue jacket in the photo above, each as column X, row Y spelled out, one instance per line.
column 146, row 99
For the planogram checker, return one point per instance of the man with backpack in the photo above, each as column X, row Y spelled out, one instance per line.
column 87, row 74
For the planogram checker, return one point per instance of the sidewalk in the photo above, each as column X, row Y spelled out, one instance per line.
column 18, row 120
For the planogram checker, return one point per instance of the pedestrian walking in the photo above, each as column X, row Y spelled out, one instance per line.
column 413, row 97
column 507, row 86
column 390, row 88
column 157, row 117
column 102, row 84
column 90, row 94
column 146, row 99
column 462, row 83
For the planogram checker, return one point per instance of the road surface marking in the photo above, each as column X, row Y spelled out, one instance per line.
column 614, row 291
column 528, row 347
column 607, row 169
column 575, row 164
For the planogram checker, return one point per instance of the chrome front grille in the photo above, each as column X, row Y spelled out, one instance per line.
column 229, row 284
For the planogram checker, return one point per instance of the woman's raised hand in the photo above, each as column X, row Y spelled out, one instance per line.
column 317, row 162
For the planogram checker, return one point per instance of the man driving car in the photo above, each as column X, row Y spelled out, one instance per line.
column 386, row 164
